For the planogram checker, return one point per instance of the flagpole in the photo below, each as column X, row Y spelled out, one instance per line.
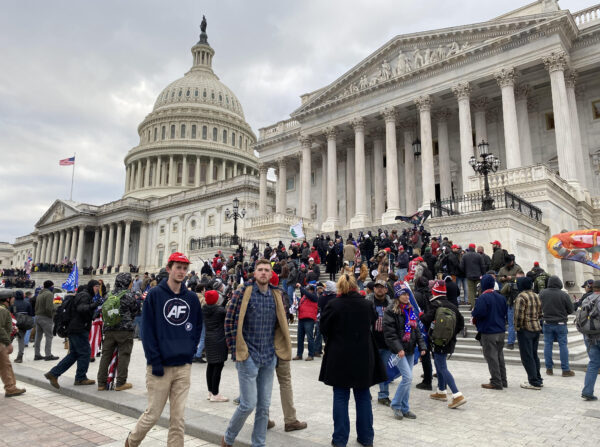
column 72, row 176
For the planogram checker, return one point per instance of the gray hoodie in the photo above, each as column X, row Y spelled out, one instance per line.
column 556, row 304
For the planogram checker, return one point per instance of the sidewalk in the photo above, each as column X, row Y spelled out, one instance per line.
column 554, row 415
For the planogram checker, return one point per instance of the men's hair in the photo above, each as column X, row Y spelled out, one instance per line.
column 346, row 284
column 262, row 261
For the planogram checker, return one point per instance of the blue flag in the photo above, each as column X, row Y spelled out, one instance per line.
column 421, row 326
column 72, row 281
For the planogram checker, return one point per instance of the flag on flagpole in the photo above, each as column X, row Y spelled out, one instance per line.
column 67, row 161
column 72, row 282
column 297, row 230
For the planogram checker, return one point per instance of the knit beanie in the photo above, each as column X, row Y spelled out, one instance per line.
column 274, row 279
column 487, row 282
column 439, row 289
column 400, row 289
column 211, row 296
column 524, row 283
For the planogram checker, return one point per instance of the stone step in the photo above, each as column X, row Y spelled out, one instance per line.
column 576, row 352
column 577, row 365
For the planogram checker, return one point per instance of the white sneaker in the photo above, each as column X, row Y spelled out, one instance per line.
column 210, row 396
column 218, row 398
column 528, row 386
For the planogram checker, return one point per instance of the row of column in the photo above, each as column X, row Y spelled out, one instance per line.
column 55, row 247
column 164, row 171
column 517, row 139
column 111, row 244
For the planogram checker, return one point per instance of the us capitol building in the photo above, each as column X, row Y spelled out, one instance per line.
column 393, row 135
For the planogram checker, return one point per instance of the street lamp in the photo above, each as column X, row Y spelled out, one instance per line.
column 235, row 214
column 489, row 163
column 416, row 145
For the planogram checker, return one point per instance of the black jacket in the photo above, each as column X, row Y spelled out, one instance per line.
column 214, row 341
column 429, row 317
column 556, row 304
column 23, row 307
column 393, row 330
column 351, row 358
column 423, row 296
column 82, row 312
column 452, row 292
column 453, row 264
column 472, row 265
column 498, row 259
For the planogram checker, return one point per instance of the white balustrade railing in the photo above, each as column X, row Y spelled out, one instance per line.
column 586, row 16
column 278, row 128
column 273, row 218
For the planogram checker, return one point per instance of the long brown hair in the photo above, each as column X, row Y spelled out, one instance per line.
column 346, row 284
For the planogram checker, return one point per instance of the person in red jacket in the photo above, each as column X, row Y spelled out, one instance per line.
column 412, row 267
column 315, row 255
column 308, row 309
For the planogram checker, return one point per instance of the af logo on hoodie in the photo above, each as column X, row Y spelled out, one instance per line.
column 176, row 311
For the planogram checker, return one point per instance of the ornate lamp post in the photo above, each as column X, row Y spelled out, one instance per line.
column 235, row 214
column 489, row 163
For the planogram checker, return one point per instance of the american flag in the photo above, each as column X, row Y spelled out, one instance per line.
column 145, row 292
column 67, row 161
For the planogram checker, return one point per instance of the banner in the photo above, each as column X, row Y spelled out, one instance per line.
column 72, row 281
column 416, row 219
column 297, row 230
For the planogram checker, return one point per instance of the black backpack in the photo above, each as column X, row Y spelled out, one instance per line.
column 24, row 321
column 62, row 317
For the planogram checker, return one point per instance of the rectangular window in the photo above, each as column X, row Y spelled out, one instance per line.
column 163, row 133
column 175, row 227
column 240, row 141
column 549, row 121
column 312, row 178
column 155, row 133
column 203, row 168
column 233, row 139
column 182, row 133
column 436, row 147
column 191, row 173
column 290, row 183
column 161, row 255
column 211, row 220
column 204, row 132
column 162, row 230
column 172, row 131
column 596, row 109
column 225, row 136
column 214, row 134
column 193, row 131
column 179, row 172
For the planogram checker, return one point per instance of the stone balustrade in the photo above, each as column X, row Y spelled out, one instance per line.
column 278, row 128
column 273, row 218
column 586, row 16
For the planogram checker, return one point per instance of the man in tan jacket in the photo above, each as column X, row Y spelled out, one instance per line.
column 257, row 335
column 6, row 372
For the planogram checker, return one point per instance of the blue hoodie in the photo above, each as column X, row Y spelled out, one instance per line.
column 171, row 324
column 490, row 309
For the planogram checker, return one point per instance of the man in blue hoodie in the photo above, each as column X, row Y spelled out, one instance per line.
column 172, row 324
column 490, row 317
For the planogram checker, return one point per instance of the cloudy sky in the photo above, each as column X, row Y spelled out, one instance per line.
column 79, row 76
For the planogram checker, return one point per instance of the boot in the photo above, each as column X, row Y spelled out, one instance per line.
column 15, row 392
column 19, row 358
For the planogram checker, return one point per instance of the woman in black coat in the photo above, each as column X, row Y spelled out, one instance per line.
column 331, row 259
column 351, row 360
column 214, row 344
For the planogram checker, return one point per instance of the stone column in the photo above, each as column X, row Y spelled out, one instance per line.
column 34, row 254
column 379, row 180
column 479, row 108
column 332, row 222
column 110, row 259
column 102, row 260
column 68, row 243
column 197, row 172
column 391, row 155
column 323, row 184
column 442, row 117
column 235, row 168
column 262, row 197
column 281, row 186
column 80, row 244
column 118, row 244
column 96, row 246
column 521, row 94
column 73, row 252
column 224, row 169
column 462, row 90
column 359, row 177
column 127, row 177
column 142, row 245
column 156, row 174
column 146, row 173
column 506, row 81
column 555, row 63
column 61, row 246
column 171, row 172
column 306, row 143
column 581, row 158
column 351, row 187
column 44, row 250
column 428, row 176
column 184, row 172
column 54, row 253
column 211, row 170
column 126, row 245
column 138, row 177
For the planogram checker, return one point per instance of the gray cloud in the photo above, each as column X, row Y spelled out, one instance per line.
column 80, row 76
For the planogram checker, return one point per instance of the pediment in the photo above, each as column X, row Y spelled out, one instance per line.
column 410, row 55
column 59, row 210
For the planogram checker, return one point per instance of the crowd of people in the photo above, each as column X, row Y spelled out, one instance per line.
column 15, row 278
column 395, row 304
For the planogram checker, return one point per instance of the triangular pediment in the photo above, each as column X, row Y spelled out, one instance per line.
column 409, row 55
column 59, row 210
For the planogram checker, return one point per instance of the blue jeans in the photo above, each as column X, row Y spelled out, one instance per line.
column 290, row 292
column 552, row 333
column 400, row 400
column 341, row 419
column 138, row 325
column 201, row 344
column 306, row 326
column 79, row 351
column 510, row 316
column 384, row 387
column 444, row 376
column 318, row 343
column 462, row 282
column 401, row 273
column 592, row 369
column 256, row 384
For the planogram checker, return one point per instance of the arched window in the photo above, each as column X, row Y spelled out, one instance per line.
column 163, row 133
column 220, row 98
column 227, row 99
column 204, row 132
column 193, row 131
column 224, row 136
column 196, row 93
column 179, row 93
column 212, row 95
column 155, row 133
column 240, row 141
column 182, row 133
column 187, row 93
column 204, row 93
column 233, row 139
column 172, row 131
column 214, row 134
column 173, row 94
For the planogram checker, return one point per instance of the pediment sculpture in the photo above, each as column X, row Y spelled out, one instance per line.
column 59, row 213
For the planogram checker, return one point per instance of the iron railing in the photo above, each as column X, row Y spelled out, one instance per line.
column 473, row 202
column 224, row 240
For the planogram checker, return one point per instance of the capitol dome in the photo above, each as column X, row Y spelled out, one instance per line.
column 195, row 135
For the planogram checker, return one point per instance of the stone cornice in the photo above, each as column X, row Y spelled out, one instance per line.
column 204, row 149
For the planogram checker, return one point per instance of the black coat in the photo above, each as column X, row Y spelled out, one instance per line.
column 472, row 265
column 331, row 261
column 393, row 331
column 452, row 292
column 214, row 341
column 428, row 317
column 351, row 358
column 81, row 313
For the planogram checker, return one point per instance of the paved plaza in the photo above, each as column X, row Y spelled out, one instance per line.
column 555, row 415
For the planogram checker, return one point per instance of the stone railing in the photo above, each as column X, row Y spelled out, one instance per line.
column 274, row 218
column 586, row 16
column 277, row 129
column 128, row 203
column 516, row 176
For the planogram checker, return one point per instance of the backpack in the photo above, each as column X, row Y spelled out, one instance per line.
column 62, row 317
column 587, row 317
column 24, row 321
column 512, row 295
column 541, row 282
column 443, row 327
column 111, row 309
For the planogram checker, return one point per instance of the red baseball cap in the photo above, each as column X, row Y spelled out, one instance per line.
column 178, row 257
column 211, row 296
column 496, row 243
column 455, row 246
column 472, row 246
column 536, row 264
column 274, row 279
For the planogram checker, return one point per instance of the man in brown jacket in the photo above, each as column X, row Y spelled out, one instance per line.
column 44, row 313
column 6, row 372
